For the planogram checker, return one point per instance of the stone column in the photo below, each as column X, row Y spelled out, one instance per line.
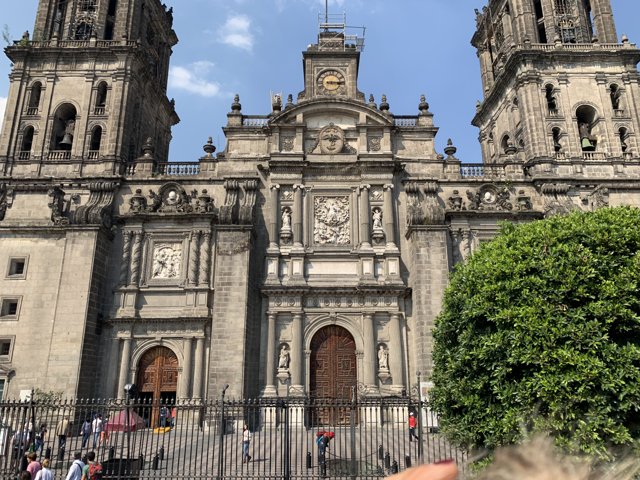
column 185, row 383
column 297, row 352
column 370, row 355
column 193, row 258
column 135, row 258
column 297, row 215
column 365, row 213
column 198, row 368
column 205, row 261
column 270, row 387
column 274, row 239
column 389, row 224
column 396, row 358
column 126, row 257
column 125, row 359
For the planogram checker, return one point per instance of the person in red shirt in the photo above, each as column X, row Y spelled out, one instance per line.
column 413, row 423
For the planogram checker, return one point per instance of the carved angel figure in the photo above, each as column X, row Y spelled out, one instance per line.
column 283, row 360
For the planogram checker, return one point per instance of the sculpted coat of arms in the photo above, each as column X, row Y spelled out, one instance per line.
column 332, row 225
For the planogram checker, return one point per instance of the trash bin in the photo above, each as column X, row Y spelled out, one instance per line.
column 121, row 469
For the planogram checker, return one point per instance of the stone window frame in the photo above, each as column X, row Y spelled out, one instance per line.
column 11, row 340
column 10, row 267
column 5, row 302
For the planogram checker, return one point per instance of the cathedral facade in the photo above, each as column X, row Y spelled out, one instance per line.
column 311, row 255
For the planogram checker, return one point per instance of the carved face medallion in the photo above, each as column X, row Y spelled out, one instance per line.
column 331, row 139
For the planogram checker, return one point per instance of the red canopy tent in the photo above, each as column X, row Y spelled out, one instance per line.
column 118, row 422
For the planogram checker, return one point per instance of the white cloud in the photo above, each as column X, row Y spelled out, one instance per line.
column 193, row 79
column 3, row 106
column 236, row 32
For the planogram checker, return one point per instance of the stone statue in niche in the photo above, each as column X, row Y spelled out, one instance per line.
column 166, row 261
column 383, row 358
column 286, row 234
column 332, row 226
column 378, row 233
column 284, row 359
column 331, row 139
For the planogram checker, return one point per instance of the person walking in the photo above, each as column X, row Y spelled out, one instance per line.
column 34, row 466
column 45, row 473
column 62, row 431
column 323, row 443
column 41, row 437
column 246, row 440
column 85, row 431
column 413, row 423
column 93, row 469
column 96, row 426
column 76, row 468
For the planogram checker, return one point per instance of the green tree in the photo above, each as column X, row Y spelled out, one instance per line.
column 540, row 331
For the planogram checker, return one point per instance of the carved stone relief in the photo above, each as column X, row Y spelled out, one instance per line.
column 332, row 220
column 331, row 139
column 287, row 143
column 374, row 144
column 490, row 197
column 57, row 206
column 167, row 259
column 598, row 198
column 556, row 199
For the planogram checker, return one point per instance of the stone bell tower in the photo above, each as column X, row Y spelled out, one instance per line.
column 88, row 88
column 558, row 85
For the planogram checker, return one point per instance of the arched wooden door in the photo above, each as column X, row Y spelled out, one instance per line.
column 157, row 380
column 333, row 372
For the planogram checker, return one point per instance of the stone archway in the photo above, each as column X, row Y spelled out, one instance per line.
column 157, row 380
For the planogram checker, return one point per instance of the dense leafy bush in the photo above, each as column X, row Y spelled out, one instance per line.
column 540, row 330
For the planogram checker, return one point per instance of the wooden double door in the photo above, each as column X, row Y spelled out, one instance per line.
column 157, row 381
column 333, row 374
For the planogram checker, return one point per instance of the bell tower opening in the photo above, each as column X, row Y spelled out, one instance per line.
column 64, row 124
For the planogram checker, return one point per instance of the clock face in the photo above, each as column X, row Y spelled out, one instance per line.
column 331, row 82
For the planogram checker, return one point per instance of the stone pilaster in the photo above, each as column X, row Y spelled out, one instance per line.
column 297, row 351
column 389, row 222
column 198, row 368
column 125, row 360
column 270, row 378
column 185, row 381
column 205, row 258
column 369, row 360
column 396, row 354
column 365, row 213
column 298, row 191
column 193, row 258
column 136, row 252
column 126, row 258
column 274, row 239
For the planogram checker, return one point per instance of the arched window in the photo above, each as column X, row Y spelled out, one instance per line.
column 57, row 29
column 552, row 101
column 96, row 139
column 623, row 134
column 101, row 98
column 64, row 124
column 507, row 146
column 557, row 133
column 27, row 143
column 616, row 95
column 34, row 98
column 587, row 116
column 542, row 33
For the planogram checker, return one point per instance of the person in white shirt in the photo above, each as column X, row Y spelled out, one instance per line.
column 96, row 426
column 44, row 473
column 75, row 470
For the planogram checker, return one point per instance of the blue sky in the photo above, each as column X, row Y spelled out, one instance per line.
column 254, row 47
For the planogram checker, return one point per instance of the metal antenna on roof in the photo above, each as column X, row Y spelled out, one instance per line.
column 326, row 11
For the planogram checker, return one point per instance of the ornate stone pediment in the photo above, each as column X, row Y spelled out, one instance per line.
column 490, row 197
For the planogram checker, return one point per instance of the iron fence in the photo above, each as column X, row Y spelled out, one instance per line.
column 204, row 440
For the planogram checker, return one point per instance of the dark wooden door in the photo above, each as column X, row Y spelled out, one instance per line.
column 333, row 373
column 158, row 378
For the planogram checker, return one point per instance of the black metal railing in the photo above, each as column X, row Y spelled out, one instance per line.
column 204, row 440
